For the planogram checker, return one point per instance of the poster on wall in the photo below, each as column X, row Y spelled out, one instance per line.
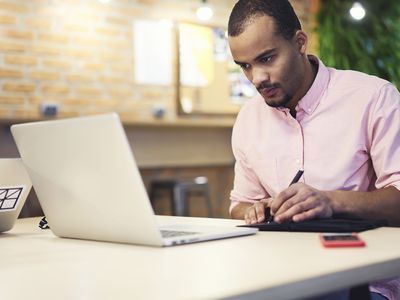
column 152, row 66
column 220, row 45
column 196, row 53
column 209, row 80
column 240, row 88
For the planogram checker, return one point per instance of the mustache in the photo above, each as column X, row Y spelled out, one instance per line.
column 266, row 85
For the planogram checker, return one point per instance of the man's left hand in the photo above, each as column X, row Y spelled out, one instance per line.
column 301, row 202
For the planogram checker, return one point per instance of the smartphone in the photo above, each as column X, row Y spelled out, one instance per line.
column 341, row 240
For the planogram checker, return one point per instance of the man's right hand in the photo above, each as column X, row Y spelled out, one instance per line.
column 256, row 212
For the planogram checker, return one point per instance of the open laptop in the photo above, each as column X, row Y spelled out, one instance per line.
column 89, row 185
column 14, row 188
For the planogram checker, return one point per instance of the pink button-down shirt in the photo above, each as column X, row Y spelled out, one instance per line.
column 346, row 136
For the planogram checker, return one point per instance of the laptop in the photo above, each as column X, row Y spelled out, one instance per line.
column 14, row 188
column 89, row 186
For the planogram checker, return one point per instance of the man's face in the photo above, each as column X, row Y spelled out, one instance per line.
column 272, row 63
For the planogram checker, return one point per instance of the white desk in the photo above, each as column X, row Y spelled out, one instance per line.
column 34, row 264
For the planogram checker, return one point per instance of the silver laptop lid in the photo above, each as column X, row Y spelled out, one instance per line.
column 87, row 180
column 14, row 188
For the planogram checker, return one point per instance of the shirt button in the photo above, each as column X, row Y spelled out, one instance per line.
column 309, row 109
column 298, row 161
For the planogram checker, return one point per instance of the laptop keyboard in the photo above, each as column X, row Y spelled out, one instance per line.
column 174, row 233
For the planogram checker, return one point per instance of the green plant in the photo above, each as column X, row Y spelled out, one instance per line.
column 370, row 45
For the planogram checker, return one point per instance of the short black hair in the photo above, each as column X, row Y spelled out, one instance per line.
column 245, row 11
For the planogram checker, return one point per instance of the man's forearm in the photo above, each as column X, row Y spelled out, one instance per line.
column 378, row 204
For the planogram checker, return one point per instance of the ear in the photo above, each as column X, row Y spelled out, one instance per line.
column 301, row 40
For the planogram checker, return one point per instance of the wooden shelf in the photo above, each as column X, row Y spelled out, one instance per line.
column 182, row 122
column 185, row 121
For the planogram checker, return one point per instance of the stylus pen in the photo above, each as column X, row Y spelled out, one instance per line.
column 295, row 179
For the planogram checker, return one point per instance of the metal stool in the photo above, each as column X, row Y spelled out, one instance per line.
column 180, row 192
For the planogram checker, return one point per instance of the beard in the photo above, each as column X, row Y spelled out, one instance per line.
column 272, row 101
column 282, row 102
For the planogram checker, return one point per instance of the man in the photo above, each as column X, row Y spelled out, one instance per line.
column 341, row 127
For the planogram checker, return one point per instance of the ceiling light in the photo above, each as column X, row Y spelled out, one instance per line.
column 357, row 11
column 105, row 1
column 204, row 12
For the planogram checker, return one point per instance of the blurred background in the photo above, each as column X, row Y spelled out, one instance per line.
column 164, row 66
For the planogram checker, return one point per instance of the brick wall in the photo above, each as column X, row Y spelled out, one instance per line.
column 79, row 54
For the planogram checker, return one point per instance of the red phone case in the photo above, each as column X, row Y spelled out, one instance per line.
column 341, row 240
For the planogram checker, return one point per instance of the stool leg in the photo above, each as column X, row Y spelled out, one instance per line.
column 171, row 197
column 185, row 202
column 180, row 206
column 208, row 199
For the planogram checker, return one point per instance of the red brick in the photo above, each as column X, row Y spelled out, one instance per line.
column 7, row 73
column 55, row 89
column 41, row 49
column 55, row 63
column 40, row 23
column 80, row 78
column 88, row 91
column 21, row 60
column 44, row 75
column 11, row 100
column 53, row 38
column 18, row 34
column 11, row 47
column 13, row 7
column 24, row 88
column 8, row 19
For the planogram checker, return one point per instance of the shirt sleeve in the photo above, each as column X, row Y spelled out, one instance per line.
column 384, row 134
column 246, row 185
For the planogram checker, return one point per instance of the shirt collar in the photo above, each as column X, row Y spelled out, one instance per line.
column 312, row 98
